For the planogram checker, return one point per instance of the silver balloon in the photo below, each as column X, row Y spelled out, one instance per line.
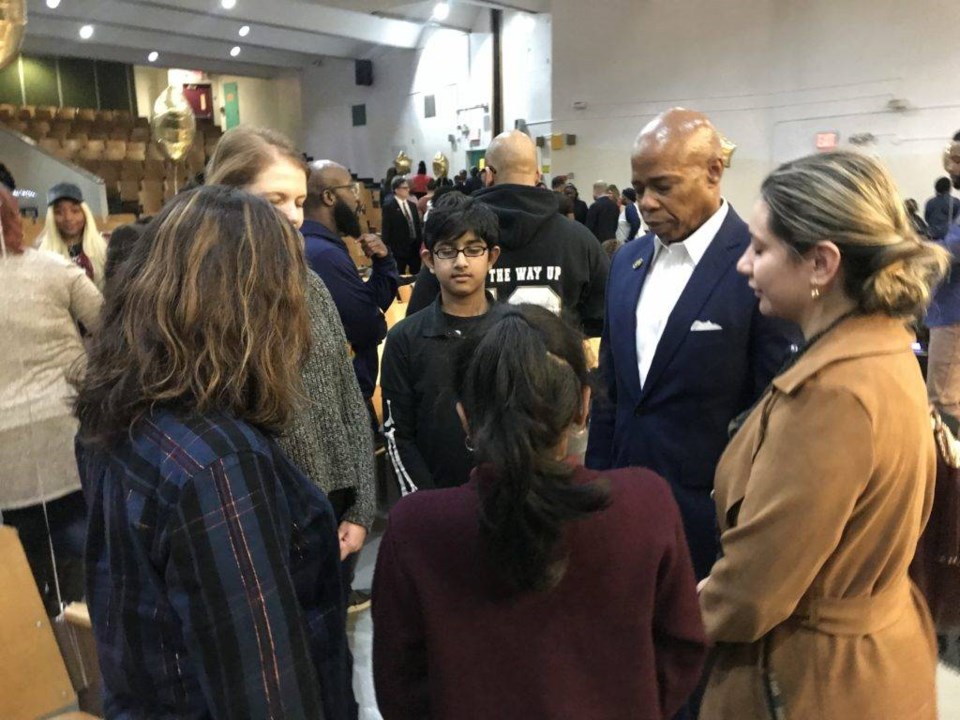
column 174, row 126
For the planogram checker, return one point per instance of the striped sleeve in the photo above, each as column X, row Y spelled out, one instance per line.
column 229, row 583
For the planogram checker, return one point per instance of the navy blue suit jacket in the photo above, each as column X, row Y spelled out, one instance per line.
column 699, row 381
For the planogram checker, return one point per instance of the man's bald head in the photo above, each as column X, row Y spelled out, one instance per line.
column 512, row 158
column 677, row 165
column 686, row 133
column 330, row 197
column 326, row 174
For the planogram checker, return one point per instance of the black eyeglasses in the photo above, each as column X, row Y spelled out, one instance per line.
column 470, row 251
column 354, row 187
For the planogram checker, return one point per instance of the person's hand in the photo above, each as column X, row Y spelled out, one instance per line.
column 372, row 245
column 351, row 538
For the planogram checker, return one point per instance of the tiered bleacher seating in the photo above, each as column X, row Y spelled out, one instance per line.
column 115, row 146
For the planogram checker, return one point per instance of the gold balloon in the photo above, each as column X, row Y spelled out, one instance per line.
column 441, row 166
column 951, row 150
column 173, row 123
column 727, row 148
column 13, row 23
column 402, row 163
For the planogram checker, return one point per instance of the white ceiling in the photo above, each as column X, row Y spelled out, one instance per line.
column 285, row 35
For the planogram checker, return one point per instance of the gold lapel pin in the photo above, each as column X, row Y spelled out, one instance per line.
column 637, row 263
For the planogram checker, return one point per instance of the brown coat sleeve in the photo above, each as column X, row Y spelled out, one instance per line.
column 811, row 466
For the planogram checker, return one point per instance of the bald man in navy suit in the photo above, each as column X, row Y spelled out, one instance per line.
column 684, row 347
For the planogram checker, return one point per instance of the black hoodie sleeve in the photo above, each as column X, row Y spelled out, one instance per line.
column 425, row 291
column 591, row 307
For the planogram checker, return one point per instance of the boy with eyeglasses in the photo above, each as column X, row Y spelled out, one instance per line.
column 425, row 442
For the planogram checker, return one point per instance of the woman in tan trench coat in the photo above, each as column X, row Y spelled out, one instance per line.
column 823, row 491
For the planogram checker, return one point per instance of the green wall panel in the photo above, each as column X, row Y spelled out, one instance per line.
column 10, row 84
column 40, row 80
column 78, row 82
column 112, row 81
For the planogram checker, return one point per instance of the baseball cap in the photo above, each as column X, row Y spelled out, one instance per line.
column 64, row 191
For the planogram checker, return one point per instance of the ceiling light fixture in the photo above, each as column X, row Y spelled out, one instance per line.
column 441, row 11
column 152, row 57
column 228, row 4
column 53, row 4
column 235, row 51
column 244, row 31
column 86, row 32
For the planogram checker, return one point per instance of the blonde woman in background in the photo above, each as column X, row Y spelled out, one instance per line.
column 824, row 490
column 71, row 231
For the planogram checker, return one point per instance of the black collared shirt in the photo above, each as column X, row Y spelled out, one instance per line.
column 425, row 441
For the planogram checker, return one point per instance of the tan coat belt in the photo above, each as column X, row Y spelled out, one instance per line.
column 854, row 615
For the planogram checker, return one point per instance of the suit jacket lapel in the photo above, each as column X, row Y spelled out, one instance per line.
column 723, row 251
column 635, row 279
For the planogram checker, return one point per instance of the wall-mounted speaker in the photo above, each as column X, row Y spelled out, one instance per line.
column 571, row 139
column 364, row 72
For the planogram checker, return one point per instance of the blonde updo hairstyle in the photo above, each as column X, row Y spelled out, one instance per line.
column 851, row 200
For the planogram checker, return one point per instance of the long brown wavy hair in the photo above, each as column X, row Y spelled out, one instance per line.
column 207, row 314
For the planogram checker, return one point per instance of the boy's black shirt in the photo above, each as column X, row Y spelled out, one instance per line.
column 425, row 441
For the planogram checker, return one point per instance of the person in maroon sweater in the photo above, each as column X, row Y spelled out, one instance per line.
column 540, row 589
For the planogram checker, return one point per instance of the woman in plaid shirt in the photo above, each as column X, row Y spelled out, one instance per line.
column 212, row 561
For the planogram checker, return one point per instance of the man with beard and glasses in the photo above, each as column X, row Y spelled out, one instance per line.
column 330, row 214
column 943, row 317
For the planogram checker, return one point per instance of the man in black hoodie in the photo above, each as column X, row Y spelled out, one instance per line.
column 545, row 258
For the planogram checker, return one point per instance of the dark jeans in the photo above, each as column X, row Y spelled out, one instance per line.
column 68, row 530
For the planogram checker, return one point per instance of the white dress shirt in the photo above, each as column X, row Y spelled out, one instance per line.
column 668, row 275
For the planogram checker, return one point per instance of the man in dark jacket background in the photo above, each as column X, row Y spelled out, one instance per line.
column 941, row 210
column 330, row 213
column 603, row 215
column 545, row 259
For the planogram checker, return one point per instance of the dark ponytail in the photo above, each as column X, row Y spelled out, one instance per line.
column 520, row 382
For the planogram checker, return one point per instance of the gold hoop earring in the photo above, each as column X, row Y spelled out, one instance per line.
column 815, row 292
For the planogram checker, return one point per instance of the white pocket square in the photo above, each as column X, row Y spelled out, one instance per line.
column 704, row 325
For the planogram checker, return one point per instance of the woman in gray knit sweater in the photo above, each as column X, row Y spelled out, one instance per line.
column 330, row 438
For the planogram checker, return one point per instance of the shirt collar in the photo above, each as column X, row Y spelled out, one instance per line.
column 857, row 336
column 436, row 323
column 699, row 240
column 313, row 228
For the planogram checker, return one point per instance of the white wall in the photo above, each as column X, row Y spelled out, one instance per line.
column 274, row 103
column 451, row 65
column 770, row 73
column 527, row 67
column 148, row 83
column 268, row 103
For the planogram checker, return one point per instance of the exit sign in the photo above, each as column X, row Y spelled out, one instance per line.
column 827, row 141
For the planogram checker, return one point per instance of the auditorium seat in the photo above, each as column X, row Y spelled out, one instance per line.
column 51, row 145
column 87, row 114
column 73, row 145
column 151, row 196
column 45, row 112
column 67, row 113
column 115, row 150
column 136, row 151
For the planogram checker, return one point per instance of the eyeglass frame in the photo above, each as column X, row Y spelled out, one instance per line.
column 356, row 187
column 484, row 250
